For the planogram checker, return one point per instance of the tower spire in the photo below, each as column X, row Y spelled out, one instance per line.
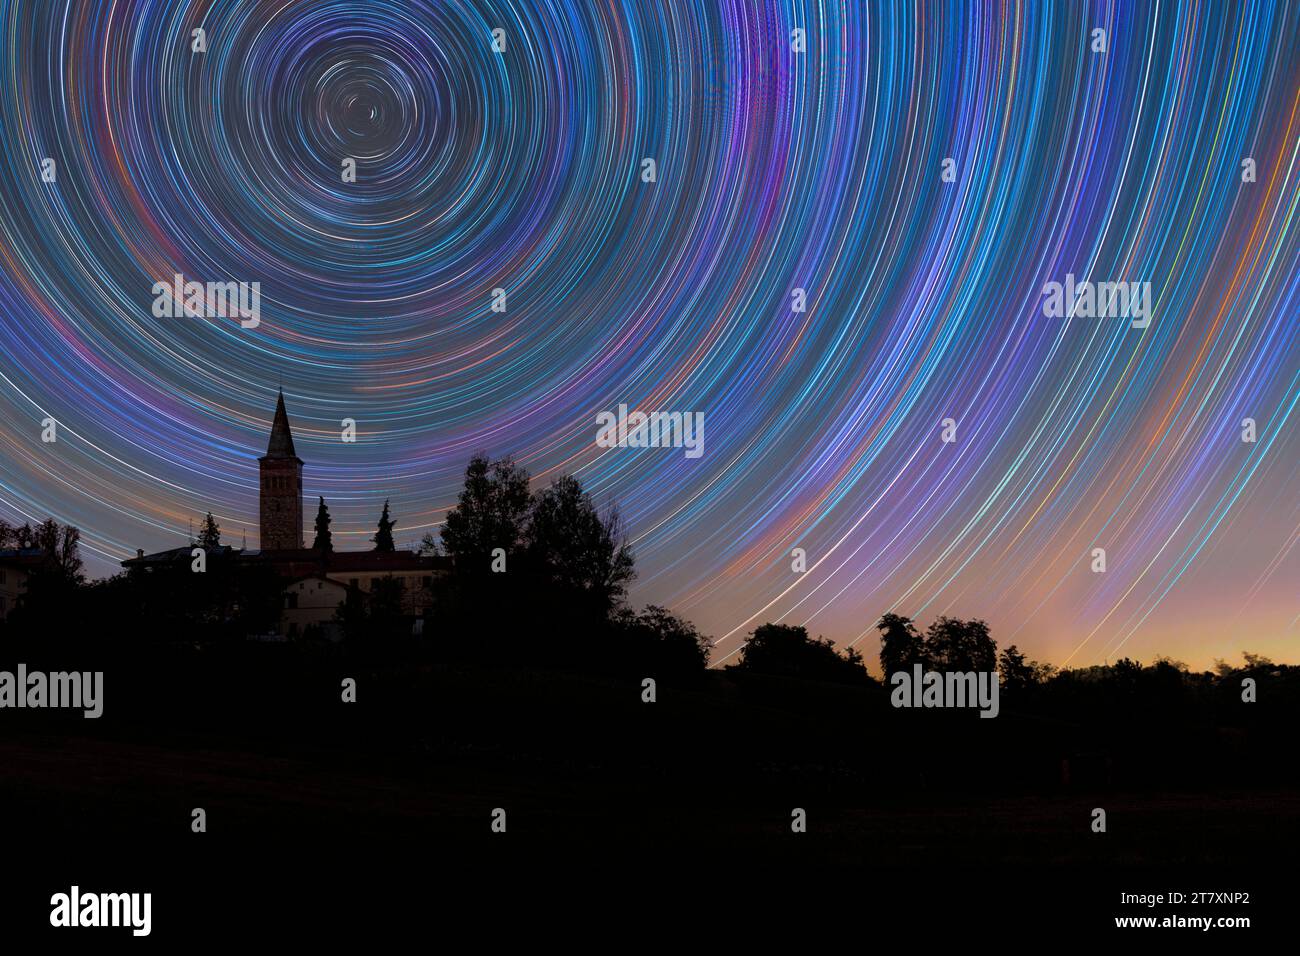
column 281, row 443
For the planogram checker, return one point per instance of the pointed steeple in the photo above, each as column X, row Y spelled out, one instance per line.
column 281, row 444
column 280, row 484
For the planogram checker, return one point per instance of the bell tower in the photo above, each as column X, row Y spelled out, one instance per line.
column 281, row 487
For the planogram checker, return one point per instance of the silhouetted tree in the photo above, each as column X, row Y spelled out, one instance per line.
column 955, row 645
column 490, row 513
column 900, row 645
column 209, row 534
column 1252, row 662
column 787, row 650
column 383, row 539
column 374, row 616
column 387, row 618
column 352, row 614
column 575, row 552
column 54, row 584
column 657, row 643
column 1015, row 673
column 61, row 544
column 324, row 542
column 1126, row 670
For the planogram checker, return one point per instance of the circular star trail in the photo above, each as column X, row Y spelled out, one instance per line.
column 499, row 150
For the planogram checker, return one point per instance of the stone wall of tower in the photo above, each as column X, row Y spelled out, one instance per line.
column 281, row 503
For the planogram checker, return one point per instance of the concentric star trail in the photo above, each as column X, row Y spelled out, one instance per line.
column 778, row 169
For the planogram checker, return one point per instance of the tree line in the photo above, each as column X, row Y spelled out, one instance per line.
column 534, row 578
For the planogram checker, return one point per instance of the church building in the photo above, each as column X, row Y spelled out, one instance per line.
column 316, row 581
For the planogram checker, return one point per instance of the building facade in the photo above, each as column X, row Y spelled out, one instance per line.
column 310, row 605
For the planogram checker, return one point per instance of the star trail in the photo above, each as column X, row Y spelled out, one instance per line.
column 854, row 212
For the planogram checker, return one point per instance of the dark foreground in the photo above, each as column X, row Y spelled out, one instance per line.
column 321, row 813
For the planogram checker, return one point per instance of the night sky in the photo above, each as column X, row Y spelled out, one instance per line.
column 775, row 169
